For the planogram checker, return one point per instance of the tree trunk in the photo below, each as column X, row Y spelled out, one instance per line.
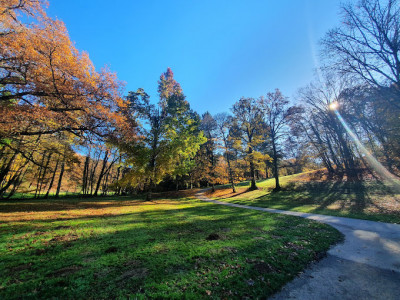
column 253, row 185
column 348, row 156
column 320, row 148
column 4, row 170
column 149, row 193
column 39, row 176
column 46, row 167
column 118, row 191
column 52, row 180
column 92, row 174
column 275, row 164
column 17, row 182
column 85, row 176
column 266, row 169
column 229, row 165
column 60, row 178
column 105, row 159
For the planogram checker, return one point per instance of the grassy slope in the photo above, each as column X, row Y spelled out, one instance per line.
column 371, row 200
column 111, row 248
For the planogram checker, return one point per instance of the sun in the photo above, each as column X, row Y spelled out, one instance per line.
column 334, row 105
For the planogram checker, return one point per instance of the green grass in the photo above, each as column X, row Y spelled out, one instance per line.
column 167, row 248
column 370, row 200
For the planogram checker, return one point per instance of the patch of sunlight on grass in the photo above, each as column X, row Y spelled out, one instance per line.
column 371, row 200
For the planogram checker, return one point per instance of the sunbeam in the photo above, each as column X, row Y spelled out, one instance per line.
column 389, row 178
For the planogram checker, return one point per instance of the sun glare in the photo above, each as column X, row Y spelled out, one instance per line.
column 334, row 106
column 390, row 179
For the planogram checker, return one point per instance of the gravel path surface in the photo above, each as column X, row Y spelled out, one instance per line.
column 365, row 266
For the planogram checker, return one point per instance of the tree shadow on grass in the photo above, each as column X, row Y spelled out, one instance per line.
column 238, row 194
column 345, row 195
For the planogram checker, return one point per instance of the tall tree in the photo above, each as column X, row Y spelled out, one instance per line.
column 209, row 127
column 325, row 129
column 170, row 134
column 276, row 113
column 248, row 130
column 223, row 121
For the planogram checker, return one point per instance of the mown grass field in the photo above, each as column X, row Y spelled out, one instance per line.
column 370, row 199
column 167, row 248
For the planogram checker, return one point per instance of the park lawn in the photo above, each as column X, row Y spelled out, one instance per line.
column 165, row 248
column 369, row 200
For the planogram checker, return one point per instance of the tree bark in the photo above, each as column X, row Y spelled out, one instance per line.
column 39, row 175
column 253, row 185
column 52, row 180
column 46, row 167
column 92, row 174
column 275, row 164
column 85, row 176
column 60, row 178
column 105, row 159
column 4, row 171
column 229, row 164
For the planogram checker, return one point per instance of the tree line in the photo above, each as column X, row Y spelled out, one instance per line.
column 65, row 126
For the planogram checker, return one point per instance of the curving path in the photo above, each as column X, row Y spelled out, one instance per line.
column 365, row 266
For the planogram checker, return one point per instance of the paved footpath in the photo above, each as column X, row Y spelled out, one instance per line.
column 365, row 266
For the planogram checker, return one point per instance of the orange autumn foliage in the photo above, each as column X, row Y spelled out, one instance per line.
column 47, row 86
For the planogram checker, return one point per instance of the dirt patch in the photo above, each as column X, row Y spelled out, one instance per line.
column 39, row 233
column 111, row 250
column 294, row 246
column 133, row 273
column 65, row 271
column 29, row 235
column 213, row 237
column 62, row 227
column 263, row 268
column 89, row 260
column 274, row 236
column 231, row 249
column 41, row 251
column 102, row 273
column 64, row 238
column 132, row 263
column 22, row 267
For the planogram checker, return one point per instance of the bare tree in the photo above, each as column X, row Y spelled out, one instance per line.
column 325, row 130
column 276, row 112
column 367, row 43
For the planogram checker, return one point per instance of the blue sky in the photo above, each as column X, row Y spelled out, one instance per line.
column 218, row 50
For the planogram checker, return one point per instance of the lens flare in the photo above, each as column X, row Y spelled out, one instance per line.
column 334, row 106
column 392, row 181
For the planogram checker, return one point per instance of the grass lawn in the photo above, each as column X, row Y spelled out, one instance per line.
column 370, row 200
column 167, row 248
